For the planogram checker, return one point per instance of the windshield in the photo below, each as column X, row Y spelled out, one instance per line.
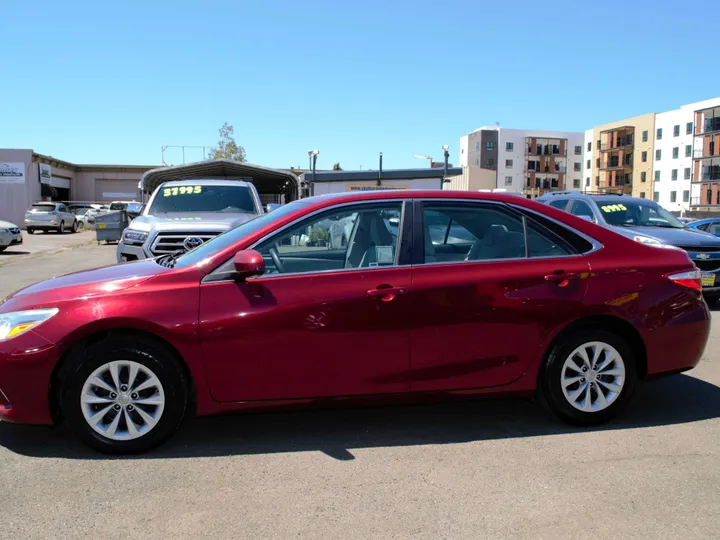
column 232, row 236
column 629, row 213
column 203, row 198
column 118, row 206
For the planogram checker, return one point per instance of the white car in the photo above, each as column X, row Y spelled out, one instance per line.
column 10, row 235
column 50, row 216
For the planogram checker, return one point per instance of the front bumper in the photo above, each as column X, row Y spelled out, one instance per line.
column 26, row 365
column 10, row 239
column 129, row 252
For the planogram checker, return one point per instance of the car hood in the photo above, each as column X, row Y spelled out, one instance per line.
column 195, row 221
column 7, row 225
column 673, row 237
column 89, row 283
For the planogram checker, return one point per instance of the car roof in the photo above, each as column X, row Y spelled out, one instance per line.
column 204, row 182
column 352, row 196
column 45, row 203
column 704, row 220
column 590, row 197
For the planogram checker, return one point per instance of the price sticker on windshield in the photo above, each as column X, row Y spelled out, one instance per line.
column 182, row 190
column 613, row 208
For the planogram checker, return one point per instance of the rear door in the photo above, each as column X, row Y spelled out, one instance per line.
column 481, row 320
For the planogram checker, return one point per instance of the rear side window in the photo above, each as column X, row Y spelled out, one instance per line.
column 560, row 205
column 483, row 232
column 562, row 235
column 581, row 208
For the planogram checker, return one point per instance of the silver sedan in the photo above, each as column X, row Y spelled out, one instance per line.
column 10, row 235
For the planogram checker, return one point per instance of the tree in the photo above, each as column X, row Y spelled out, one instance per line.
column 337, row 167
column 227, row 148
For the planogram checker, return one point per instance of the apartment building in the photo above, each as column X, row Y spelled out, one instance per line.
column 706, row 155
column 526, row 161
column 618, row 157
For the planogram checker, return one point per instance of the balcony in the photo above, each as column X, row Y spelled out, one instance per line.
column 622, row 142
column 616, row 165
column 545, row 151
column 699, row 153
column 544, row 184
column 711, row 125
column 547, row 170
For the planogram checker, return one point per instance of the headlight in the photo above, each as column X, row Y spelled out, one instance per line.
column 652, row 242
column 18, row 322
column 134, row 236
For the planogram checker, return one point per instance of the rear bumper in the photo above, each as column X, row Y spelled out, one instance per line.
column 679, row 344
column 26, row 365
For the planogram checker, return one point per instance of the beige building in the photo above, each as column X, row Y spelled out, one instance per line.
column 27, row 177
column 473, row 179
column 619, row 157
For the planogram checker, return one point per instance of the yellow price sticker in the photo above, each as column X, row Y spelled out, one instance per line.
column 182, row 190
column 613, row 208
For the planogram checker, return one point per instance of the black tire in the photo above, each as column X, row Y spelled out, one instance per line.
column 137, row 349
column 551, row 383
column 30, row 230
column 74, row 227
column 3, row 248
column 61, row 228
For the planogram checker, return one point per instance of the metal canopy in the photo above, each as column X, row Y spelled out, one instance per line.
column 266, row 180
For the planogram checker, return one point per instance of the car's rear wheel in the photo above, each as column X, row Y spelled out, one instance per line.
column 75, row 227
column 61, row 229
column 123, row 395
column 589, row 377
column 712, row 300
column 30, row 230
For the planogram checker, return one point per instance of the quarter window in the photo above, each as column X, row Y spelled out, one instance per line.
column 363, row 236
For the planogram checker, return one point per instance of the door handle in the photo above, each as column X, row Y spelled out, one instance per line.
column 562, row 279
column 385, row 293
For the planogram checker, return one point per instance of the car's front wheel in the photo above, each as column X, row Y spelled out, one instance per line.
column 123, row 395
column 589, row 377
column 75, row 227
column 61, row 229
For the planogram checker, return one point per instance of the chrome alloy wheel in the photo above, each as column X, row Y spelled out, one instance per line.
column 122, row 400
column 593, row 376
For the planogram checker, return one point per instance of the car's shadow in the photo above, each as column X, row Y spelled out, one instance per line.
column 9, row 253
column 337, row 432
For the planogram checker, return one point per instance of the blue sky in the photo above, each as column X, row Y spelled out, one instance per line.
column 111, row 82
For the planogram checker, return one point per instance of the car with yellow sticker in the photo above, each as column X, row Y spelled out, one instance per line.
column 183, row 214
column 649, row 223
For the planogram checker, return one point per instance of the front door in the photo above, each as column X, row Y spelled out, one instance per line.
column 328, row 318
column 483, row 314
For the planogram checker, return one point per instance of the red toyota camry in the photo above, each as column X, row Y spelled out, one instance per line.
column 371, row 295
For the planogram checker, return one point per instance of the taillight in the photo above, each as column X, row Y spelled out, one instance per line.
column 692, row 279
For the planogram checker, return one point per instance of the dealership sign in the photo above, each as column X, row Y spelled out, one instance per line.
column 12, row 173
column 45, row 173
column 373, row 187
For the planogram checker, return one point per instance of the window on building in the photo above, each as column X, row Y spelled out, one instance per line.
column 462, row 150
column 642, row 194
column 673, row 196
column 676, row 131
column 688, row 128
column 589, row 147
column 686, row 192
column 673, row 174
column 477, row 146
column 644, row 157
column 676, row 152
column 490, row 145
column 578, row 150
column 656, row 196
column 577, row 167
column 477, row 162
column 597, row 163
column 509, row 146
column 658, row 155
column 508, row 163
column 587, row 165
column 657, row 176
column 490, row 162
column 508, row 180
column 645, row 136
column 532, row 165
column 687, row 173
column 587, row 181
column 688, row 150
column 576, row 183
column 597, row 180
column 659, row 134
column 643, row 176
column 599, row 144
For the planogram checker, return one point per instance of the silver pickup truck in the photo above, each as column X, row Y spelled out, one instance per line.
column 181, row 215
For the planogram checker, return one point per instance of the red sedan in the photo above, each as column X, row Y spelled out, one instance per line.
column 366, row 296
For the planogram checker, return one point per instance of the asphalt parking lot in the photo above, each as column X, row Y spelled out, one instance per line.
column 490, row 469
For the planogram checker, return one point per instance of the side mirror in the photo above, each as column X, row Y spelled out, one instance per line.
column 248, row 263
column 272, row 206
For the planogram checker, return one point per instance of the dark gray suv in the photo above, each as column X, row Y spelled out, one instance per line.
column 649, row 223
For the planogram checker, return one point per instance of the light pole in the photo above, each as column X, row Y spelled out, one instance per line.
column 314, row 154
column 446, row 154
column 424, row 157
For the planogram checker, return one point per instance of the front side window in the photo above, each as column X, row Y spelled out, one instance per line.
column 581, row 208
column 485, row 232
column 560, row 205
column 359, row 236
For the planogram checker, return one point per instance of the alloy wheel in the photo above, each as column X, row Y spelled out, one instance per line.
column 593, row 376
column 122, row 400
